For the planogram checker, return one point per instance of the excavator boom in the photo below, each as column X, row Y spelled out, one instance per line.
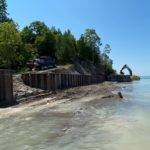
column 126, row 67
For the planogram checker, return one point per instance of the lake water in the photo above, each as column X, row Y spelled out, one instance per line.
column 116, row 125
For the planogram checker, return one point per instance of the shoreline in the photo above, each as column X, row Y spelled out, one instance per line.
column 102, row 92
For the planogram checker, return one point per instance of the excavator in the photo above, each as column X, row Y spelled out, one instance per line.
column 122, row 77
column 126, row 67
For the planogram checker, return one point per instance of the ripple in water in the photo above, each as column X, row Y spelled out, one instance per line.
column 83, row 126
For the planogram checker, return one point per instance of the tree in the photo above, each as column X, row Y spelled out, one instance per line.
column 3, row 11
column 106, row 61
column 10, row 42
column 107, row 49
column 66, row 47
column 41, row 37
column 92, row 38
column 94, row 42
column 45, row 43
column 84, row 51
column 106, row 53
column 27, row 36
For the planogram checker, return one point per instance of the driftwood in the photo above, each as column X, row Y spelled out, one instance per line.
column 120, row 94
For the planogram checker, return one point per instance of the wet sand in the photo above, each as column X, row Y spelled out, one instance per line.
column 83, row 118
column 102, row 93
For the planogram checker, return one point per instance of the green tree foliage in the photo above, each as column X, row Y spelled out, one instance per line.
column 13, row 52
column 93, row 41
column 84, row 50
column 28, row 39
column 10, row 42
column 40, row 37
column 27, row 36
column 37, row 39
column 107, row 49
column 3, row 11
column 66, row 47
column 106, row 61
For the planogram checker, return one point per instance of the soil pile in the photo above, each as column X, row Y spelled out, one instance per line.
column 21, row 90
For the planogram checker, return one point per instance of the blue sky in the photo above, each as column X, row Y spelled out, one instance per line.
column 124, row 24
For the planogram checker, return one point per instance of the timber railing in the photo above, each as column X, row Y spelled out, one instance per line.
column 51, row 81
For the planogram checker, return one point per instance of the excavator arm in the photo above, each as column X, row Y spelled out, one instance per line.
column 126, row 67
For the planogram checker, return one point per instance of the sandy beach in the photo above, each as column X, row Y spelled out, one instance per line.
column 102, row 93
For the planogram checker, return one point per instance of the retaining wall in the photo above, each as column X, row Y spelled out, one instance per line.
column 6, row 86
column 50, row 81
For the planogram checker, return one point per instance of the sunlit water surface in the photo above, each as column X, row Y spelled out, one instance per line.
column 116, row 125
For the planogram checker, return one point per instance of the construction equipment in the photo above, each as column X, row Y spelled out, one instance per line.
column 126, row 67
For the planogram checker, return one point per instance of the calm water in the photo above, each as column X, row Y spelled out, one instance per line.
column 83, row 126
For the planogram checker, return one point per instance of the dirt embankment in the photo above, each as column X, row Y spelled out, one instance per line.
column 20, row 90
column 100, row 91
column 86, row 68
column 23, row 91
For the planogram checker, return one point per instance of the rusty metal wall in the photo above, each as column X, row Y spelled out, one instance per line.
column 50, row 81
column 6, row 86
